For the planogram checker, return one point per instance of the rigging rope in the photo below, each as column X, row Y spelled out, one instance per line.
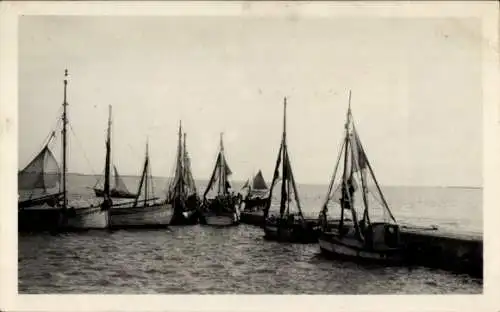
column 83, row 151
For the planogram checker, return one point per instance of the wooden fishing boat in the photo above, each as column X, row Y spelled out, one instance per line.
column 254, row 201
column 375, row 237
column 287, row 225
column 223, row 208
column 182, row 195
column 146, row 210
column 40, row 209
column 50, row 211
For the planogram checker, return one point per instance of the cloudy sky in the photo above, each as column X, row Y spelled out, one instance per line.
column 416, row 92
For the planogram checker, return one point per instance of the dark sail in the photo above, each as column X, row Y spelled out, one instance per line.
column 188, row 174
column 182, row 185
column 145, row 184
column 259, row 183
column 288, row 193
column 220, row 175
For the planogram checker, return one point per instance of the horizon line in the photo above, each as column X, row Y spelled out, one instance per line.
column 307, row 183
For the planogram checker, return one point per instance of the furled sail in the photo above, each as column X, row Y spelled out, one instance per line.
column 288, row 198
column 183, row 184
column 220, row 175
column 188, row 174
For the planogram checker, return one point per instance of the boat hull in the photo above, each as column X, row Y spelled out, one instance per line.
column 217, row 213
column 350, row 249
column 39, row 218
column 149, row 216
column 87, row 218
column 291, row 234
column 190, row 217
column 186, row 212
column 252, row 217
column 222, row 220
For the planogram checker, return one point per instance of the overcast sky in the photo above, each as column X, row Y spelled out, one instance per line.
column 416, row 92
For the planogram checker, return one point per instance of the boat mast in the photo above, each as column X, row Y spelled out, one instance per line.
column 146, row 169
column 64, row 140
column 180, row 183
column 275, row 176
column 107, row 166
column 143, row 180
column 284, row 194
column 222, row 168
column 186, row 168
column 345, row 187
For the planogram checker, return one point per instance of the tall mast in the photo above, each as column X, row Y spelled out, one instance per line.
column 146, row 168
column 345, row 187
column 284, row 121
column 64, row 140
column 284, row 166
column 222, row 167
column 185, row 173
column 107, row 167
column 180, row 177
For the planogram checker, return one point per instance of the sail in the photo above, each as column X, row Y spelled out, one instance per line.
column 42, row 172
column 188, row 174
column 219, row 178
column 245, row 188
column 228, row 171
column 119, row 184
column 259, row 183
column 145, row 190
column 216, row 176
column 182, row 185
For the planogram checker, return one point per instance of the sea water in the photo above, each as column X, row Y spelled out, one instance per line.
column 200, row 259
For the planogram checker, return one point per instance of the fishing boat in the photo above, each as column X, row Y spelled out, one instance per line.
column 45, row 209
column 39, row 201
column 119, row 190
column 254, row 200
column 288, row 225
column 146, row 210
column 355, row 191
column 223, row 208
column 182, row 195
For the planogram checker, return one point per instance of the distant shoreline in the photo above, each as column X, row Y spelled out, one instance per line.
column 311, row 184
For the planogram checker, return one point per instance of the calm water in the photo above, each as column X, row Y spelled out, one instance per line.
column 197, row 259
